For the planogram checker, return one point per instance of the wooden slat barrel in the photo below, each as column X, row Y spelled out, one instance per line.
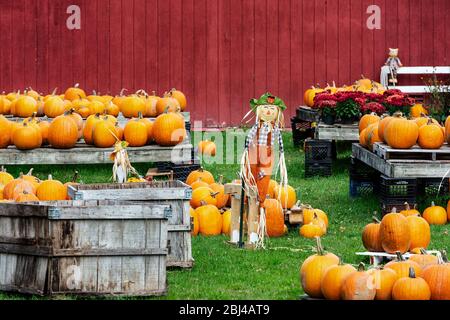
column 175, row 193
column 84, row 247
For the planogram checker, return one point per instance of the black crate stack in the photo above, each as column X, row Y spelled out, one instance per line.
column 395, row 192
column 363, row 179
column 433, row 187
column 318, row 158
column 303, row 125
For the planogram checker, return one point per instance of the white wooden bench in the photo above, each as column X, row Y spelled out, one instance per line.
column 385, row 72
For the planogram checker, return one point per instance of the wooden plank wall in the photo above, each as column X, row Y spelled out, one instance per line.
column 220, row 53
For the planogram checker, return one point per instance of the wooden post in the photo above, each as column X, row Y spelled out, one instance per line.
column 234, row 190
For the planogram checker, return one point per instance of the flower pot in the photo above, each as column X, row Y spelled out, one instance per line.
column 349, row 120
column 329, row 119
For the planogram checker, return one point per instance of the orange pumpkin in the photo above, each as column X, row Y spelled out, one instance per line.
column 44, row 127
column 367, row 120
column 167, row 104
column 219, row 189
column 169, row 129
column 51, row 190
column 359, row 286
column 203, row 196
column 286, row 195
column 5, row 177
column 27, row 137
column 26, row 197
column 226, row 222
column 424, row 120
column 371, row 137
column 408, row 211
column 438, row 278
column 424, row 259
column 54, row 107
column 274, row 218
column 5, row 132
column 333, row 280
column 63, row 132
column 16, row 187
column 435, row 215
column 431, row 136
column 31, row 179
column 309, row 214
column 384, row 280
column 205, row 175
column 5, row 106
column 91, row 121
column 25, row 107
column 119, row 131
column 180, row 97
column 385, row 119
column 194, row 222
column 395, row 233
column 311, row 231
column 149, row 126
column 411, row 288
column 313, row 270
column 401, row 133
column 96, row 106
column 135, row 133
column 131, row 106
column 420, row 232
column 210, row 220
column 371, row 236
column 104, row 134
column 207, row 148
column 74, row 93
column 418, row 110
column 271, row 189
column 401, row 266
column 150, row 105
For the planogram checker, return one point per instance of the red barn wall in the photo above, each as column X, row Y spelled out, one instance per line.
column 220, row 53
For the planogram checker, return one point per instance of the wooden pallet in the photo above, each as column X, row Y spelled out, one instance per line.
column 415, row 153
column 402, row 168
column 85, row 154
column 337, row 132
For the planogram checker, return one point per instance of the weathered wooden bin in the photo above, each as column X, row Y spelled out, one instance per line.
column 174, row 193
column 84, row 247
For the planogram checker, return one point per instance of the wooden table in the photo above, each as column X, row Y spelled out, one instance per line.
column 85, row 154
column 337, row 132
column 411, row 163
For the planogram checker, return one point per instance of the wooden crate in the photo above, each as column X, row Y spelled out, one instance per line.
column 337, row 132
column 84, row 247
column 415, row 153
column 175, row 193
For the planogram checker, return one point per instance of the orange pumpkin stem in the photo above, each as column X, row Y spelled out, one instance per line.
column 412, row 273
column 319, row 247
column 361, row 267
column 30, row 173
column 399, row 256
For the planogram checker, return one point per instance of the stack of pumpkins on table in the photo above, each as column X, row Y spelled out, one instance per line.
column 100, row 128
column 362, row 85
column 209, row 205
column 422, row 277
column 28, row 188
column 400, row 132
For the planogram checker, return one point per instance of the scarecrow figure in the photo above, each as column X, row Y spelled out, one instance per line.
column 258, row 160
column 394, row 64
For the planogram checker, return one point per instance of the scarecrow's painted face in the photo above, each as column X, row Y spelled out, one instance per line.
column 267, row 113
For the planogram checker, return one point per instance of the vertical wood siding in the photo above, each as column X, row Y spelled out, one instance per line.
column 220, row 53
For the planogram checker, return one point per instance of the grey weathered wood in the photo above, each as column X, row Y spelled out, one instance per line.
column 337, row 132
column 402, row 168
column 174, row 193
column 415, row 153
column 83, row 154
column 99, row 253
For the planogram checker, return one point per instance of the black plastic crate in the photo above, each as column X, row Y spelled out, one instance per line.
column 360, row 171
column 318, row 151
column 318, row 169
column 362, row 188
column 432, row 187
column 307, row 114
column 180, row 171
column 399, row 190
column 301, row 130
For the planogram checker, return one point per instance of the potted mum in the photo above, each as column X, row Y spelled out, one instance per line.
column 397, row 101
column 373, row 107
column 326, row 103
column 348, row 106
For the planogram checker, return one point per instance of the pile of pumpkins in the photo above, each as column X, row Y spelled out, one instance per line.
column 404, row 231
column 209, row 205
column 315, row 222
column 422, row 277
column 27, row 103
column 100, row 129
column 401, row 133
column 28, row 188
column 362, row 85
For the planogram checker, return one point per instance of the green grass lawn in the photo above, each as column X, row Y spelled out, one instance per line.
column 222, row 271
